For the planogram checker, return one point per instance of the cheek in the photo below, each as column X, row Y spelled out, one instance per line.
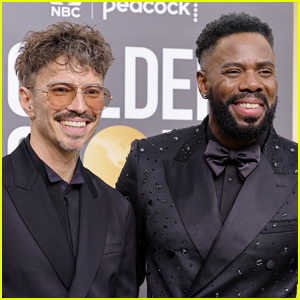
column 272, row 89
column 98, row 118
column 223, row 91
column 95, row 124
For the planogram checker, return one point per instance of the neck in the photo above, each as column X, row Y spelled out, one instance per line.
column 61, row 161
column 227, row 141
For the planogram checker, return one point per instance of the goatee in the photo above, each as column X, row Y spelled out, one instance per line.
column 230, row 126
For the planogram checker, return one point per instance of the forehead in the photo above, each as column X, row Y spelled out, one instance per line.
column 59, row 71
column 242, row 48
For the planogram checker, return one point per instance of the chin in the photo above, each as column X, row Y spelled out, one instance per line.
column 70, row 148
column 241, row 128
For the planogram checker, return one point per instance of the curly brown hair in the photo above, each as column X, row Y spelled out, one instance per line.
column 76, row 43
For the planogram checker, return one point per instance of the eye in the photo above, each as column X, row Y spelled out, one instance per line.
column 93, row 91
column 60, row 90
column 266, row 72
column 233, row 73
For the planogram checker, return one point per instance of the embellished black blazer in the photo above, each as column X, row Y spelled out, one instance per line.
column 183, row 249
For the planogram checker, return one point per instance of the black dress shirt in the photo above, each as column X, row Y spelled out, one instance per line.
column 65, row 197
column 229, row 183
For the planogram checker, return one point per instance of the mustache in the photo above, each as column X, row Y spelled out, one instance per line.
column 73, row 114
column 256, row 95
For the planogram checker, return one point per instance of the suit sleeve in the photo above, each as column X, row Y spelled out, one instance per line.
column 128, row 185
column 127, row 285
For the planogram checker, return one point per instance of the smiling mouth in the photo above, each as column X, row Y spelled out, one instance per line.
column 249, row 105
column 73, row 125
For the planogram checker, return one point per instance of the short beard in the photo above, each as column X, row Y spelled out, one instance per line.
column 66, row 148
column 74, row 137
column 72, row 114
column 230, row 126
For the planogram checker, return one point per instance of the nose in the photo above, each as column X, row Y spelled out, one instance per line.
column 78, row 104
column 251, row 82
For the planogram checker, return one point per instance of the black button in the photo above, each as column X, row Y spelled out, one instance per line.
column 170, row 252
column 270, row 264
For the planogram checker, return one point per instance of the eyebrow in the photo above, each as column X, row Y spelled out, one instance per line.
column 67, row 82
column 267, row 63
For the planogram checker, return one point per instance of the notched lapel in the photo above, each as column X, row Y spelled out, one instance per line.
column 92, row 238
column 193, row 191
column 240, row 227
column 34, row 205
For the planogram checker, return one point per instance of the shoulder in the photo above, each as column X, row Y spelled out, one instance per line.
column 289, row 145
column 164, row 144
column 16, row 159
column 6, row 161
column 290, row 150
column 173, row 135
column 281, row 153
column 7, row 169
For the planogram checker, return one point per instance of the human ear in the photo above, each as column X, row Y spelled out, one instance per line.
column 202, row 83
column 26, row 99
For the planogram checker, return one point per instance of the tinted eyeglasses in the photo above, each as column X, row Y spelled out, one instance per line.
column 61, row 94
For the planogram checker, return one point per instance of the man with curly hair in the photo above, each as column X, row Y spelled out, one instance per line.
column 216, row 204
column 65, row 232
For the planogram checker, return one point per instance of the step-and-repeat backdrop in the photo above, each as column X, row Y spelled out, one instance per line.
column 153, row 79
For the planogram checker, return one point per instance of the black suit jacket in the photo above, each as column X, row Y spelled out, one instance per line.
column 37, row 259
column 189, row 253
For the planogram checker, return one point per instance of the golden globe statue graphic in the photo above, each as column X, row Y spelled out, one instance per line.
column 105, row 154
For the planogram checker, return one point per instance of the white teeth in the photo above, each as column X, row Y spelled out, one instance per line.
column 249, row 105
column 74, row 125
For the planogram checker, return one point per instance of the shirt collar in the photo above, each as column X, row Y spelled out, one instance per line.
column 50, row 176
column 54, row 177
column 65, row 186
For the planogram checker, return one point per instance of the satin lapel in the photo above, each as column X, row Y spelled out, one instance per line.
column 37, row 212
column 192, row 189
column 240, row 228
column 92, row 237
